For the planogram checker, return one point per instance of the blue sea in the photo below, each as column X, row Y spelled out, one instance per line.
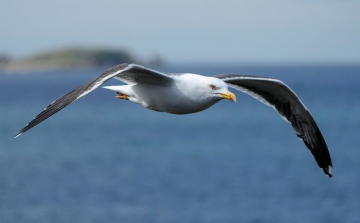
column 107, row 160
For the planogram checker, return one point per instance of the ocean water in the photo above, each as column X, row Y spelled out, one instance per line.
column 107, row 160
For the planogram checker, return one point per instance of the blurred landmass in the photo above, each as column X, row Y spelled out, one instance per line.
column 73, row 58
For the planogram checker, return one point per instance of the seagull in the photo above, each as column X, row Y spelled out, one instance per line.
column 186, row 93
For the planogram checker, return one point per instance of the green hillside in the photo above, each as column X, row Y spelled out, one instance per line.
column 72, row 58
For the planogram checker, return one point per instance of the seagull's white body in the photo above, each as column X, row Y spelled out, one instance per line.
column 189, row 93
column 185, row 96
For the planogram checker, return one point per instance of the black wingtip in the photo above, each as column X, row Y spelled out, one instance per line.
column 17, row 135
column 328, row 171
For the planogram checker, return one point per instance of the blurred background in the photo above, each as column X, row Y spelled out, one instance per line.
column 108, row 160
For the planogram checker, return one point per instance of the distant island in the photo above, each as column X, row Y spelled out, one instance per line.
column 71, row 58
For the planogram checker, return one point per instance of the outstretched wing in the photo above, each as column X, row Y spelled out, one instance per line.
column 278, row 95
column 128, row 73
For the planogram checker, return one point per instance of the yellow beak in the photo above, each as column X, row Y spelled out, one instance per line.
column 230, row 96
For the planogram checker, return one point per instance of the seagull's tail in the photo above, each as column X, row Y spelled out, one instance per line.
column 122, row 89
column 114, row 88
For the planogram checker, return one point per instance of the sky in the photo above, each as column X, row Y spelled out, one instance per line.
column 196, row 31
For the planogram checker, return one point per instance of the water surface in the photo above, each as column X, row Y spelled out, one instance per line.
column 107, row 160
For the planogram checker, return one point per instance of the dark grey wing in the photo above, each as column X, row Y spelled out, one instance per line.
column 142, row 75
column 133, row 71
column 278, row 95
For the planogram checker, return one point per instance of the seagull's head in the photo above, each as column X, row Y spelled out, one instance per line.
column 217, row 89
column 207, row 88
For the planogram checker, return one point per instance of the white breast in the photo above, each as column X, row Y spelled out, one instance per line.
column 172, row 99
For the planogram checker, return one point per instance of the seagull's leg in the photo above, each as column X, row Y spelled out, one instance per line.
column 122, row 96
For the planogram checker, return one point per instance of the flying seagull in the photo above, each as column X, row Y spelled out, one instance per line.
column 186, row 93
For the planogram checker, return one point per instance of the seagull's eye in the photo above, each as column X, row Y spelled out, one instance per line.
column 213, row 87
